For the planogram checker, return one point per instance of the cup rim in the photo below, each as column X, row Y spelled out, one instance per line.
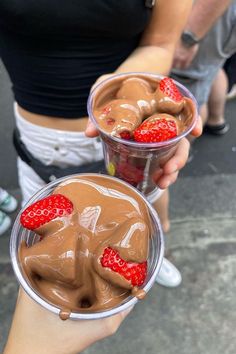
column 134, row 143
column 79, row 315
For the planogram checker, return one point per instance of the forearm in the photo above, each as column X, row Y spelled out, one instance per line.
column 150, row 59
column 28, row 332
column 38, row 331
column 157, row 45
column 204, row 14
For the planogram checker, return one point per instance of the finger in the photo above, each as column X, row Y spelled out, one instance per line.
column 125, row 313
column 166, row 180
column 100, row 79
column 157, row 175
column 111, row 324
column 91, row 130
column 197, row 130
column 179, row 159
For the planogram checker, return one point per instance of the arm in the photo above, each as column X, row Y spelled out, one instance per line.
column 155, row 54
column 203, row 16
column 36, row 330
column 156, row 49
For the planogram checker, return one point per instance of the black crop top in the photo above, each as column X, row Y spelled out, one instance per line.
column 55, row 50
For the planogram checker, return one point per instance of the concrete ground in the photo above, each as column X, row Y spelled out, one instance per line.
column 199, row 317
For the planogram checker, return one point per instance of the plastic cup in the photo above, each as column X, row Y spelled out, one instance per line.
column 19, row 234
column 135, row 163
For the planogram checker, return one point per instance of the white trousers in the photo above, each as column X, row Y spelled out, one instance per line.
column 52, row 147
column 58, row 148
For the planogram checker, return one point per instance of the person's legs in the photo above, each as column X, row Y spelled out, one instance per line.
column 168, row 275
column 5, row 222
column 161, row 205
column 8, row 203
column 29, row 181
column 215, row 122
column 218, row 45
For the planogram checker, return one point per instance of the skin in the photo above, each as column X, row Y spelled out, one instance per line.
column 36, row 330
column 203, row 16
column 171, row 169
column 155, row 54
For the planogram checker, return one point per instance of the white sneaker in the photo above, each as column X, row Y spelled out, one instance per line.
column 5, row 222
column 168, row 275
column 7, row 202
column 232, row 93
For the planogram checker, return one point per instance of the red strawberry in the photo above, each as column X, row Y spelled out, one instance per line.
column 154, row 130
column 133, row 272
column 125, row 135
column 129, row 173
column 168, row 87
column 106, row 110
column 45, row 210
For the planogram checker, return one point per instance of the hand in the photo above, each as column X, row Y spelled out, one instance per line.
column 169, row 173
column 184, row 56
column 36, row 330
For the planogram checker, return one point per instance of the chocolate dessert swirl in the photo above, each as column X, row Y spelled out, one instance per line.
column 65, row 266
column 133, row 100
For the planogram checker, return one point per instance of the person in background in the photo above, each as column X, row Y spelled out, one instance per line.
column 8, row 204
column 230, row 70
column 208, row 39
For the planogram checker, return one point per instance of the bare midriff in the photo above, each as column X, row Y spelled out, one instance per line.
column 75, row 124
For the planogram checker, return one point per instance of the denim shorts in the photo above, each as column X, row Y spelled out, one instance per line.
column 216, row 47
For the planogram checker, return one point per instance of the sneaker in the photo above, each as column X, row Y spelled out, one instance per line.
column 168, row 275
column 232, row 93
column 5, row 222
column 8, row 203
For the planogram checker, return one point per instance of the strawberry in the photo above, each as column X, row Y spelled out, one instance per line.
column 129, row 173
column 133, row 272
column 45, row 210
column 154, row 130
column 125, row 135
column 106, row 110
column 168, row 87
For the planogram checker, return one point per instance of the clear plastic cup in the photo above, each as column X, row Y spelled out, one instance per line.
column 19, row 234
column 135, row 163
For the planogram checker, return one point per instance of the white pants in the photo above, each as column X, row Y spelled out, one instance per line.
column 52, row 147
column 58, row 148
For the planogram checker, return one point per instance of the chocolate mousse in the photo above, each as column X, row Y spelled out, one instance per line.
column 125, row 103
column 93, row 247
column 141, row 118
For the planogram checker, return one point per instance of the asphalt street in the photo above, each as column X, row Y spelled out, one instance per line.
column 199, row 316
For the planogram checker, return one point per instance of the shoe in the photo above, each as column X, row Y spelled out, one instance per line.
column 169, row 275
column 8, row 203
column 5, row 222
column 232, row 93
column 220, row 129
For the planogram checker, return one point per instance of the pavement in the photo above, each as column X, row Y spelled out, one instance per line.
column 198, row 317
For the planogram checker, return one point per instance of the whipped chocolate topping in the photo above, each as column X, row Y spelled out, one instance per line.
column 64, row 267
column 123, row 103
